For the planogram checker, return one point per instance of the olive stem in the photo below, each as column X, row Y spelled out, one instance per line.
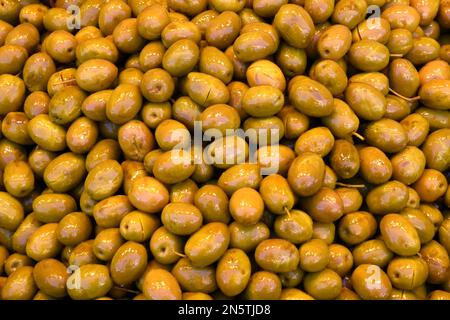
column 286, row 210
column 350, row 185
column 360, row 137
column 180, row 254
column 403, row 97
column 359, row 34
column 127, row 290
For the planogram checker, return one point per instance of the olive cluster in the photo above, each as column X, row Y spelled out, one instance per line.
column 96, row 199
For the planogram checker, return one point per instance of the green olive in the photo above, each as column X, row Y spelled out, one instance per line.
column 110, row 211
column 366, row 101
column 20, row 285
column 376, row 79
column 350, row 12
column 151, row 55
column 399, row 235
column 98, row 48
column 160, row 284
column 331, row 75
column 193, row 278
column 306, row 174
column 165, row 246
column 181, row 218
column 372, row 251
column 334, row 42
column 357, row 227
column 368, row 55
column 216, row 63
column 264, row 72
column 89, row 282
column 424, row 49
column 181, row 57
column 64, row 172
column 128, row 263
column 277, row 255
column 106, row 149
column 263, row 285
column 65, row 105
column 11, row 212
column 13, row 96
column 371, row 283
column 43, row 243
column 310, row 97
column 206, row 90
column 53, row 207
column 208, row 244
column 295, row 25
column 223, row 30
column 314, row 255
column 437, row 260
column 124, row 103
column 233, row 272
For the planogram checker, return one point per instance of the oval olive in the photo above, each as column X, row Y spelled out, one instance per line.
column 314, row 255
column 20, row 237
column 90, row 281
column 208, row 244
column 181, row 218
column 323, row 285
column 74, row 228
column 368, row 55
column 165, row 246
column 277, row 255
column 128, row 263
column 371, row 283
column 11, row 211
column 106, row 243
column 160, row 284
column 20, row 285
column 53, row 207
column 65, row 172
column 192, row 278
column 295, row 25
column 399, row 235
column 357, row 227
column 223, row 30
column 306, row 174
column 263, row 285
column 247, row 237
column 233, row 272
column 438, row 262
column 372, row 251
column 50, row 276
column 310, row 97
column 124, row 103
column 110, row 211
column 43, row 243
column 148, row 194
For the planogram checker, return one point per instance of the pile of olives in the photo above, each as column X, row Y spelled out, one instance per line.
column 96, row 204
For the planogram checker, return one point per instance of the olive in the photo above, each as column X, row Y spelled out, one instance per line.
column 399, row 235
column 192, row 278
column 371, row 283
